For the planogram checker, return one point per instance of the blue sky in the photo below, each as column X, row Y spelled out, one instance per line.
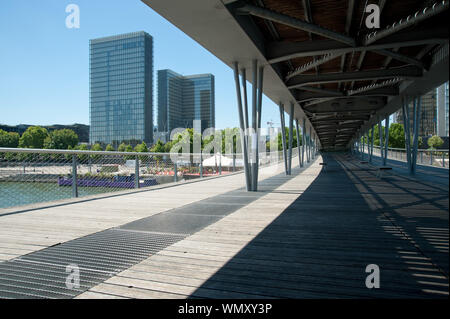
column 44, row 77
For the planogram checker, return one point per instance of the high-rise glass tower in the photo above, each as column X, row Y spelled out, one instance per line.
column 170, row 100
column 183, row 99
column 442, row 109
column 427, row 117
column 121, row 89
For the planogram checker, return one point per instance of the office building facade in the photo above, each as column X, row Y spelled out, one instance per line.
column 427, row 117
column 442, row 110
column 185, row 99
column 121, row 89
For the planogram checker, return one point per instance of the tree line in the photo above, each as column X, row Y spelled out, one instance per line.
column 66, row 139
column 63, row 139
column 396, row 133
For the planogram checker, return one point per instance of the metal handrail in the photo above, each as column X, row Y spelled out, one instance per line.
column 69, row 170
column 419, row 150
column 89, row 152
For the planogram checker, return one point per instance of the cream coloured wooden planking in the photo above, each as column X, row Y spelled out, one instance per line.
column 130, row 292
column 76, row 218
column 181, row 269
column 98, row 295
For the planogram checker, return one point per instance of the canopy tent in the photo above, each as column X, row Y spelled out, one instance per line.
column 219, row 159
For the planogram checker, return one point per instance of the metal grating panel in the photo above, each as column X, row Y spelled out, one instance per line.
column 99, row 256
column 42, row 274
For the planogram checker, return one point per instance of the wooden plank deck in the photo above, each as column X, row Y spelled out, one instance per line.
column 306, row 236
column 312, row 237
column 27, row 229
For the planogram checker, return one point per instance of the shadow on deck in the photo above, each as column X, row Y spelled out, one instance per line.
column 348, row 218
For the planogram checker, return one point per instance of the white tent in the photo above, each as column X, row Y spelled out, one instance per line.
column 218, row 159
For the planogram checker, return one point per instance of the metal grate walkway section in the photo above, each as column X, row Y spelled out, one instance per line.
column 99, row 256
column 43, row 274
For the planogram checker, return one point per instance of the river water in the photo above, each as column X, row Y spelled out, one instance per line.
column 21, row 193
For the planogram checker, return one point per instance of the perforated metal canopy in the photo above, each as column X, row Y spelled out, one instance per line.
column 320, row 54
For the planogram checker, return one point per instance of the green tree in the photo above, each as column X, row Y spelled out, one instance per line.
column 396, row 135
column 9, row 139
column 420, row 142
column 109, row 148
column 168, row 146
column 33, row 137
column 142, row 148
column 96, row 147
column 187, row 136
column 376, row 136
column 122, row 147
column 226, row 133
column 435, row 142
column 129, row 148
column 82, row 147
column 294, row 139
column 158, row 147
column 61, row 139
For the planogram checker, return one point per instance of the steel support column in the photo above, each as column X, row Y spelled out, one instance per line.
column 314, row 147
column 363, row 137
column 380, row 134
column 258, row 126
column 260, row 93
column 307, row 149
column 244, row 88
column 405, row 111
column 254, row 137
column 245, row 106
column 371, row 143
column 300, row 159
column 310, row 143
column 417, row 110
column 283, row 137
column 386, row 140
column 368, row 144
column 291, row 128
column 303, row 141
column 242, row 125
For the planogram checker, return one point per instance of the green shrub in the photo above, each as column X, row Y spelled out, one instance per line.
column 435, row 142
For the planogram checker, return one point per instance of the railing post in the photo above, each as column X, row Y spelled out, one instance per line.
column 74, row 176
column 234, row 162
column 201, row 164
column 443, row 159
column 136, row 172
column 175, row 172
